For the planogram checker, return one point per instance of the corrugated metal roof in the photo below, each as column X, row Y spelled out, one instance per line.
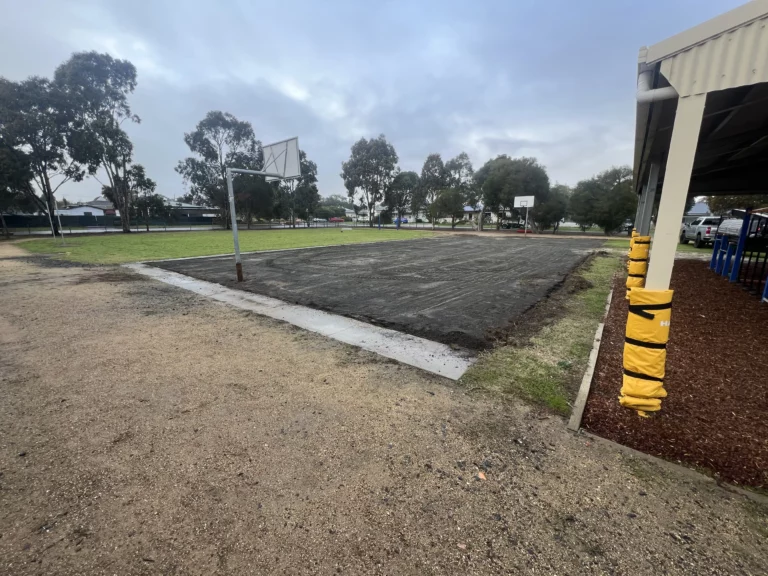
column 706, row 31
column 726, row 52
column 738, row 57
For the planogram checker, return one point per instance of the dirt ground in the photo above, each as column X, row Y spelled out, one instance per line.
column 457, row 289
column 146, row 430
column 715, row 414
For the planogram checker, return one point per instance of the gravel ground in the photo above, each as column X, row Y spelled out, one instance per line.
column 145, row 430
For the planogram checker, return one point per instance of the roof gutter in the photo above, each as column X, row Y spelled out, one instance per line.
column 646, row 94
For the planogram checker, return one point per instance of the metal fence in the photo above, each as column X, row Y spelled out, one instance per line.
column 21, row 224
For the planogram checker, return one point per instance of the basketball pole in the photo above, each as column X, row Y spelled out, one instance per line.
column 525, row 230
column 233, row 216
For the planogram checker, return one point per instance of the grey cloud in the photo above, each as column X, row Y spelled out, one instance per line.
column 555, row 81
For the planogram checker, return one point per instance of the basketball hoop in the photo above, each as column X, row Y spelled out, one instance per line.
column 524, row 202
column 281, row 162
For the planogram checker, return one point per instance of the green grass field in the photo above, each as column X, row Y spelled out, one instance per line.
column 624, row 243
column 119, row 248
column 554, row 360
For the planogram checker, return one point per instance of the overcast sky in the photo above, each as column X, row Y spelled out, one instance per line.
column 555, row 80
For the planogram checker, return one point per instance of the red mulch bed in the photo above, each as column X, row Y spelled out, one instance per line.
column 716, row 414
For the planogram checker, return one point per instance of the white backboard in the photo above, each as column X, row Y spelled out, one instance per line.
column 282, row 158
column 524, row 201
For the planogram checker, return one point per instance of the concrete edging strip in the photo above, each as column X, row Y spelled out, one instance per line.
column 586, row 382
column 425, row 354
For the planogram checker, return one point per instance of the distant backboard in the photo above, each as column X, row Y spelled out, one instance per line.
column 282, row 158
column 524, row 201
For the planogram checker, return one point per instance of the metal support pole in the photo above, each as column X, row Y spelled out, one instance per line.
column 230, row 192
column 238, row 262
column 525, row 229
column 677, row 179
column 644, row 226
column 740, row 246
column 640, row 204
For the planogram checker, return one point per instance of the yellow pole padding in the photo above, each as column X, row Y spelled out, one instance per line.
column 637, row 263
column 632, row 238
column 645, row 349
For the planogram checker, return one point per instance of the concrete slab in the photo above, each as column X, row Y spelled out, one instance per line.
column 431, row 356
column 451, row 290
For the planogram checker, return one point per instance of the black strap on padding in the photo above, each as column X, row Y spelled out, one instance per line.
column 638, row 259
column 642, row 241
column 654, row 345
column 636, row 275
column 642, row 376
column 641, row 309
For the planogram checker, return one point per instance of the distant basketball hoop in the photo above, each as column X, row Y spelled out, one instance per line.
column 281, row 162
column 524, row 202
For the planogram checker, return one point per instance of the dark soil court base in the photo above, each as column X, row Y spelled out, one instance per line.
column 454, row 290
column 716, row 414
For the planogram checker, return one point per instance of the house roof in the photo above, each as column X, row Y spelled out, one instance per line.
column 99, row 202
column 179, row 204
column 89, row 205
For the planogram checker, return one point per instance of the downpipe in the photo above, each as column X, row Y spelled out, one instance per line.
column 647, row 94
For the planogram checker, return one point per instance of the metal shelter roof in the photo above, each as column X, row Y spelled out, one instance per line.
column 725, row 58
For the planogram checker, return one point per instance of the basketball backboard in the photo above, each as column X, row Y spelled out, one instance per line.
column 282, row 158
column 524, row 201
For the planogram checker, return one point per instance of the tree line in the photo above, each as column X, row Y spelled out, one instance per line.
column 443, row 189
column 60, row 130
column 221, row 141
column 54, row 131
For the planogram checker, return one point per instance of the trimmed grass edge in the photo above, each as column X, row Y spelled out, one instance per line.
column 547, row 370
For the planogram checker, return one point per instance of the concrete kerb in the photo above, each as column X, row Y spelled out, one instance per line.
column 574, row 423
column 421, row 353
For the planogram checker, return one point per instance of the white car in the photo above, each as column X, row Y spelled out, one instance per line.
column 701, row 231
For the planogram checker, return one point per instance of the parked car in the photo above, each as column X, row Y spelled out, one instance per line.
column 701, row 231
column 401, row 221
column 335, row 219
column 511, row 225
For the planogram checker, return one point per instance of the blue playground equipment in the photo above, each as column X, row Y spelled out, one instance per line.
column 741, row 252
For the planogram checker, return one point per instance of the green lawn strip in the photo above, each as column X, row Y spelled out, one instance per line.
column 116, row 248
column 556, row 357
column 624, row 243
column 41, row 229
